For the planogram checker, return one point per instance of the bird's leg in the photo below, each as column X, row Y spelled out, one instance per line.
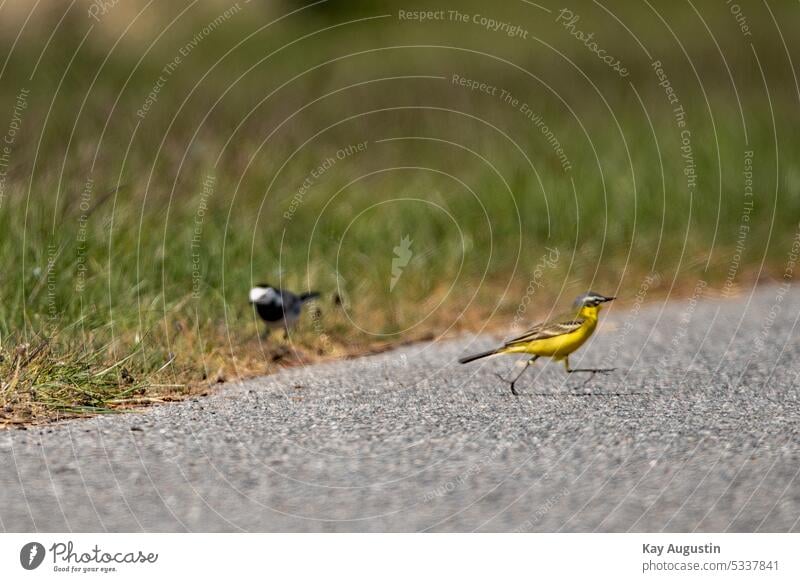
column 518, row 376
column 591, row 371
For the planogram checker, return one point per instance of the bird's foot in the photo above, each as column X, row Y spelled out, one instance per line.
column 591, row 372
column 511, row 383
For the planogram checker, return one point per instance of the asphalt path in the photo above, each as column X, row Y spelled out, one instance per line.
column 697, row 430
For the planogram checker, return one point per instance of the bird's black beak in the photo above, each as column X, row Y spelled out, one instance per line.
column 608, row 299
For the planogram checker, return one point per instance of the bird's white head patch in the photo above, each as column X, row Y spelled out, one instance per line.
column 262, row 294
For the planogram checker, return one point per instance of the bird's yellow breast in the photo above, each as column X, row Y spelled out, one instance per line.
column 563, row 345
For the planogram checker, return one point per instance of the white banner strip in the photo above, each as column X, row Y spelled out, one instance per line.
column 400, row 556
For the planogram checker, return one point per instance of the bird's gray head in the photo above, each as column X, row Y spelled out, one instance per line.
column 262, row 294
column 591, row 299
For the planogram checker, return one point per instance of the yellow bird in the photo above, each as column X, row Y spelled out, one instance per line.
column 556, row 338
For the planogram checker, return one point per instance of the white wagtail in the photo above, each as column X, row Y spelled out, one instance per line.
column 278, row 307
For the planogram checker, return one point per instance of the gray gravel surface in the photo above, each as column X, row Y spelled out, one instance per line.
column 697, row 430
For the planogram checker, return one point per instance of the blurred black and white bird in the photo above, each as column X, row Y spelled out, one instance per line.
column 278, row 307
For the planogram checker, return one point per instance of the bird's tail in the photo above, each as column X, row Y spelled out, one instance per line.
column 473, row 357
column 309, row 296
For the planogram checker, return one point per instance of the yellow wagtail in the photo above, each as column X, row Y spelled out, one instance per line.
column 556, row 338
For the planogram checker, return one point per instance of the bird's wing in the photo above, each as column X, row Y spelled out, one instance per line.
column 291, row 302
column 546, row 330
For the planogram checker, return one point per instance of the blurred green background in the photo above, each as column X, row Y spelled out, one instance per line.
column 162, row 157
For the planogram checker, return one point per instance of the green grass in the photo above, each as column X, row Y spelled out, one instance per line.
column 149, row 272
